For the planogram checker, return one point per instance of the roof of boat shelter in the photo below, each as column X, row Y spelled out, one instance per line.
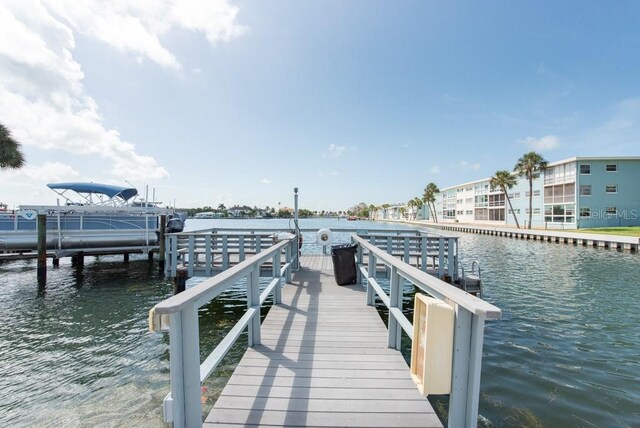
column 105, row 189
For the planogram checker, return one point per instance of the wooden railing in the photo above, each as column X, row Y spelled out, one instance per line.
column 179, row 315
column 470, row 316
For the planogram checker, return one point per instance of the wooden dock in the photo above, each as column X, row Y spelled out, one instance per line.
column 323, row 361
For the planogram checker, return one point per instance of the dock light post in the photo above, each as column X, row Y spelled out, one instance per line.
column 296, row 261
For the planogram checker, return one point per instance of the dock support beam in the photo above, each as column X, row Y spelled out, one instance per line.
column 42, row 249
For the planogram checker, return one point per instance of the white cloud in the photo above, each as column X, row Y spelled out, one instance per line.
column 265, row 181
column 469, row 165
column 435, row 169
column 548, row 142
column 334, row 173
column 48, row 172
column 42, row 97
column 138, row 26
column 336, row 151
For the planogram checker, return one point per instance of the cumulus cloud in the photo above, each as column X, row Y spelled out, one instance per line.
column 469, row 165
column 48, row 172
column 435, row 169
column 548, row 142
column 265, row 181
column 334, row 173
column 42, row 97
column 136, row 27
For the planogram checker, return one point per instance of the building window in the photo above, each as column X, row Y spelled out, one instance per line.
column 560, row 193
column 612, row 188
column 585, row 212
column 611, row 167
column 482, row 214
column 517, row 210
column 585, row 169
column 611, row 211
column 585, row 190
column 469, row 212
column 536, row 211
column 535, row 193
column 559, row 213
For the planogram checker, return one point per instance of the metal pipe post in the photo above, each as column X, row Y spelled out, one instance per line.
column 296, row 260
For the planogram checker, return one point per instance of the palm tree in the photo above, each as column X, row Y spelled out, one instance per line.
column 528, row 166
column 429, row 197
column 418, row 204
column 402, row 210
column 384, row 208
column 504, row 180
column 372, row 209
column 10, row 154
column 411, row 204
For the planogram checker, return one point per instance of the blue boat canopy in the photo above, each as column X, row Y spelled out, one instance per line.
column 104, row 189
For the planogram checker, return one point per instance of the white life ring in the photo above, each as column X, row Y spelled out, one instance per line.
column 324, row 237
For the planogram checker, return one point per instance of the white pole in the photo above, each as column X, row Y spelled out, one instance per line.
column 296, row 261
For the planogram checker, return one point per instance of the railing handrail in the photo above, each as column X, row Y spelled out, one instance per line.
column 433, row 286
column 210, row 288
column 267, row 230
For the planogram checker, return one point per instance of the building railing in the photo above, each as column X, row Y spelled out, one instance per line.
column 470, row 316
column 179, row 316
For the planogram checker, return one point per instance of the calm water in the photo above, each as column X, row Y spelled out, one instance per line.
column 564, row 354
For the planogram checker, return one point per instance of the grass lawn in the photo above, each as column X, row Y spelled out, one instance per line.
column 624, row 231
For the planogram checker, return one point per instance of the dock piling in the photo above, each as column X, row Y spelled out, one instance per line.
column 161, row 242
column 180, row 280
column 42, row 249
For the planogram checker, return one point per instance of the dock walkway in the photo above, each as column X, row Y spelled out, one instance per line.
column 323, row 361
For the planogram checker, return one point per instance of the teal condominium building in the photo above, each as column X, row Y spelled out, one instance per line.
column 581, row 192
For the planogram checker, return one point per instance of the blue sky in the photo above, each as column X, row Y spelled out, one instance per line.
column 240, row 101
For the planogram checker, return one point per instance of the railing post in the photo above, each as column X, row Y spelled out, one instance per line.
column 407, row 254
column 253, row 300
column 475, row 369
column 358, row 264
column 225, row 252
column 241, row 248
column 451, row 259
column 192, row 260
column 277, row 273
column 258, row 244
column 440, row 257
column 208, row 255
column 174, row 255
column 288, row 251
column 390, row 251
column 423, row 251
column 460, row 373
column 185, row 368
column 372, row 275
column 395, row 301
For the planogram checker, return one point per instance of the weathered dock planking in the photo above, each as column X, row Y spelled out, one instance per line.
column 323, row 361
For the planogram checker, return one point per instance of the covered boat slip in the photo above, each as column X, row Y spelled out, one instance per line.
column 323, row 361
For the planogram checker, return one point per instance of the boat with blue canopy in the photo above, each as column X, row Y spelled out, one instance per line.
column 91, row 217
